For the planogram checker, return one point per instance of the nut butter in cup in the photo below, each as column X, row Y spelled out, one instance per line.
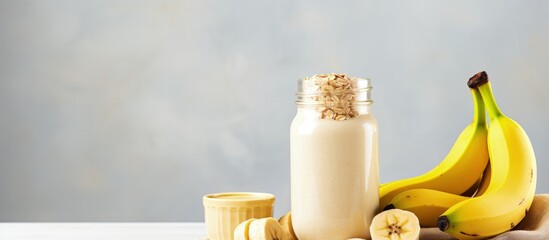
column 224, row 211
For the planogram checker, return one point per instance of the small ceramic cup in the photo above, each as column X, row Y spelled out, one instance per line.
column 224, row 211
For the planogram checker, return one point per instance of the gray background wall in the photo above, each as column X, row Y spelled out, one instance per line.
column 132, row 110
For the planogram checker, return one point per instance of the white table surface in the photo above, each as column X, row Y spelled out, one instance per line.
column 103, row 231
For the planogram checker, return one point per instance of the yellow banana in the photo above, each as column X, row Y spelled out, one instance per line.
column 242, row 231
column 261, row 229
column 426, row 204
column 473, row 189
column 268, row 229
column 286, row 223
column 484, row 182
column 459, row 170
column 512, row 181
column 395, row 224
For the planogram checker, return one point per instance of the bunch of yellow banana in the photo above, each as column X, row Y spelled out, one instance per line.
column 456, row 174
column 503, row 190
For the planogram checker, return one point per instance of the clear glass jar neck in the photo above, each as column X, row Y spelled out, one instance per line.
column 310, row 89
column 334, row 96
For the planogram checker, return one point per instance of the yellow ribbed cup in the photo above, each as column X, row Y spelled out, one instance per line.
column 224, row 211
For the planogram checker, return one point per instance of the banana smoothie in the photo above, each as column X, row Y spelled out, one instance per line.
column 334, row 159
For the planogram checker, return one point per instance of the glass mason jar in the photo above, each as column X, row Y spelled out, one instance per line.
column 334, row 158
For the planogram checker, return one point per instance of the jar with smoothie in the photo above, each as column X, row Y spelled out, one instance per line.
column 334, row 158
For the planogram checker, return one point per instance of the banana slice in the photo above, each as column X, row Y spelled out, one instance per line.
column 267, row 229
column 241, row 231
column 286, row 222
column 395, row 224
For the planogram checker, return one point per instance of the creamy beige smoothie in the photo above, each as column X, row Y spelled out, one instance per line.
column 334, row 174
column 335, row 180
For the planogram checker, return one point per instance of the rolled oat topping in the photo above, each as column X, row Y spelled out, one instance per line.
column 334, row 93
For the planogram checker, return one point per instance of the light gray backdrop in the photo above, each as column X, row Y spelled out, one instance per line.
column 132, row 110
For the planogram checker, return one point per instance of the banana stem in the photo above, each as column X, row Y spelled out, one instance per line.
column 488, row 97
column 479, row 108
column 480, row 81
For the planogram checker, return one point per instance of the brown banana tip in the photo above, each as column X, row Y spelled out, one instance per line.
column 443, row 223
column 477, row 80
